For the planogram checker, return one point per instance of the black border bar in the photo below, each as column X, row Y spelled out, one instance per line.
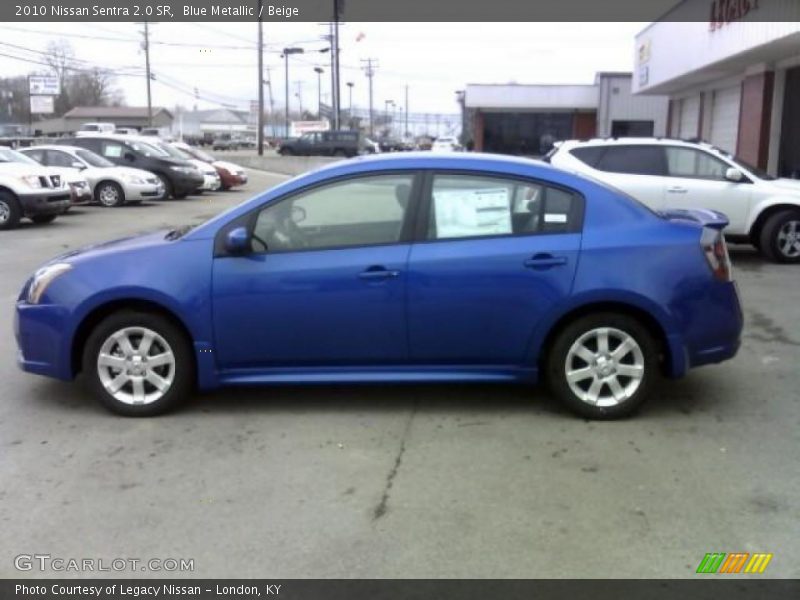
column 398, row 10
column 704, row 587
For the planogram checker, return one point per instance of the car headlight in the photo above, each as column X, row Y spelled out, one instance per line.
column 32, row 181
column 133, row 179
column 43, row 278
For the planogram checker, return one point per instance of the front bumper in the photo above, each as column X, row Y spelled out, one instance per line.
column 53, row 203
column 81, row 195
column 233, row 179
column 212, row 182
column 42, row 340
column 143, row 191
column 186, row 184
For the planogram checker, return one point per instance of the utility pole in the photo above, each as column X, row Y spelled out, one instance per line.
column 147, row 71
column 299, row 95
column 370, row 64
column 338, row 8
column 350, row 85
column 286, row 53
column 405, row 131
column 319, row 71
column 260, row 119
column 268, row 83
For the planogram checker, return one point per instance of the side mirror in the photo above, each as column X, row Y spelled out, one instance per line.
column 129, row 156
column 734, row 175
column 78, row 165
column 237, row 241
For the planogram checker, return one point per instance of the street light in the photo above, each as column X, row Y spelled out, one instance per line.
column 350, row 85
column 285, row 56
column 319, row 71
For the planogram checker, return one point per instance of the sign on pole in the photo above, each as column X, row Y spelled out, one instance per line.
column 42, row 105
column 48, row 85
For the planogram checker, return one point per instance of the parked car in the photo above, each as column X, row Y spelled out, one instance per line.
column 179, row 177
column 80, row 192
column 762, row 210
column 95, row 128
column 411, row 267
column 30, row 191
column 126, row 131
column 211, row 179
column 445, row 144
column 109, row 185
column 224, row 144
column 324, row 143
column 231, row 175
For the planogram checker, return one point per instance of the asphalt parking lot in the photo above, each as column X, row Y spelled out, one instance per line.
column 404, row 481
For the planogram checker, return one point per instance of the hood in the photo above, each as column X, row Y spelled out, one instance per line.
column 228, row 166
column 145, row 240
column 18, row 169
column 786, row 185
column 204, row 167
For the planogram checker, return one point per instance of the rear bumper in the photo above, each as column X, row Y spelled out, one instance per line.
column 713, row 332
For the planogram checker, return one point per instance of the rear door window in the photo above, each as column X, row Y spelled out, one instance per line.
column 634, row 160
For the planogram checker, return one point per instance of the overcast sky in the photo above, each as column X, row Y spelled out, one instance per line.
column 433, row 59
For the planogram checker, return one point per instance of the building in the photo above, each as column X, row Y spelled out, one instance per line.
column 122, row 116
column 527, row 119
column 734, row 78
column 213, row 122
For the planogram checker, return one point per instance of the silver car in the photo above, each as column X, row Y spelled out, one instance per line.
column 111, row 185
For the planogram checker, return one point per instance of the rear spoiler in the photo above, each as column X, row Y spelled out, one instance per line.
column 705, row 217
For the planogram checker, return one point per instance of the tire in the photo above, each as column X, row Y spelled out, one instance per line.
column 109, row 194
column 779, row 240
column 138, row 396
column 168, row 189
column 42, row 219
column 583, row 337
column 10, row 211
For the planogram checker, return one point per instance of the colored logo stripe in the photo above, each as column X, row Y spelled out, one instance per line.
column 720, row 562
column 758, row 563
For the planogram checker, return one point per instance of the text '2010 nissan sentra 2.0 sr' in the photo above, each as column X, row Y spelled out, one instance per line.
column 409, row 268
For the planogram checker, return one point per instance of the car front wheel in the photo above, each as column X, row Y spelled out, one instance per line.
column 109, row 194
column 603, row 366
column 780, row 237
column 138, row 364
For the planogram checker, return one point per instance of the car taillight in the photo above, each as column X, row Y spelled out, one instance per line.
column 716, row 253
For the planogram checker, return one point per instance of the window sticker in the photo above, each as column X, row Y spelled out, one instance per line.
column 555, row 218
column 113, row 151
column 472, row 212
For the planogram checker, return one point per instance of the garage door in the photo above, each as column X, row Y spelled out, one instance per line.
column 725, row 117
column 690, row 117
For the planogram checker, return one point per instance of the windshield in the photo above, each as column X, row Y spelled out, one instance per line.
column 92, row 159
column 172, row 151
column 147, row 149
column 201, row 154
column 9, row 155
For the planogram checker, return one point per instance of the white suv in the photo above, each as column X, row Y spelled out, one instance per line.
column 666, row 173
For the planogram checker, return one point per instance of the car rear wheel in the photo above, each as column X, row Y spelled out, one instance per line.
column 780, row 237
column 603, row 366
column 109, row 194
column 10, row 211
column 138, row 364
column 42, row 219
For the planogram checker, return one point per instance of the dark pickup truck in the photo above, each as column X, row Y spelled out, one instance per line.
column 324, row 143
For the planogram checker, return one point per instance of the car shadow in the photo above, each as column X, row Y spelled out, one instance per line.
column 696, row 393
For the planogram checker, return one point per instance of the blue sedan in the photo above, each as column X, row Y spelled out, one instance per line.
column 409, row 268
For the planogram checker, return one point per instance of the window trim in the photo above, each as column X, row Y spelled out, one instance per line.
column 426, row 204
column 250, row 218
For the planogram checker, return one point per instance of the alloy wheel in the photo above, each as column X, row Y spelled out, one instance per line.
column 136, row 365
column 5, row 212
column 789, row 239
column 604, row 367
column 109, row 195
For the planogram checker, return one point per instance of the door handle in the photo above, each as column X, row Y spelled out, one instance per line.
column 376, row 273
column 545, row 261
column 676, row 189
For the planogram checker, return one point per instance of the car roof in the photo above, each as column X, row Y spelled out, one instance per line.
column 628, row 141
column 62, row 147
